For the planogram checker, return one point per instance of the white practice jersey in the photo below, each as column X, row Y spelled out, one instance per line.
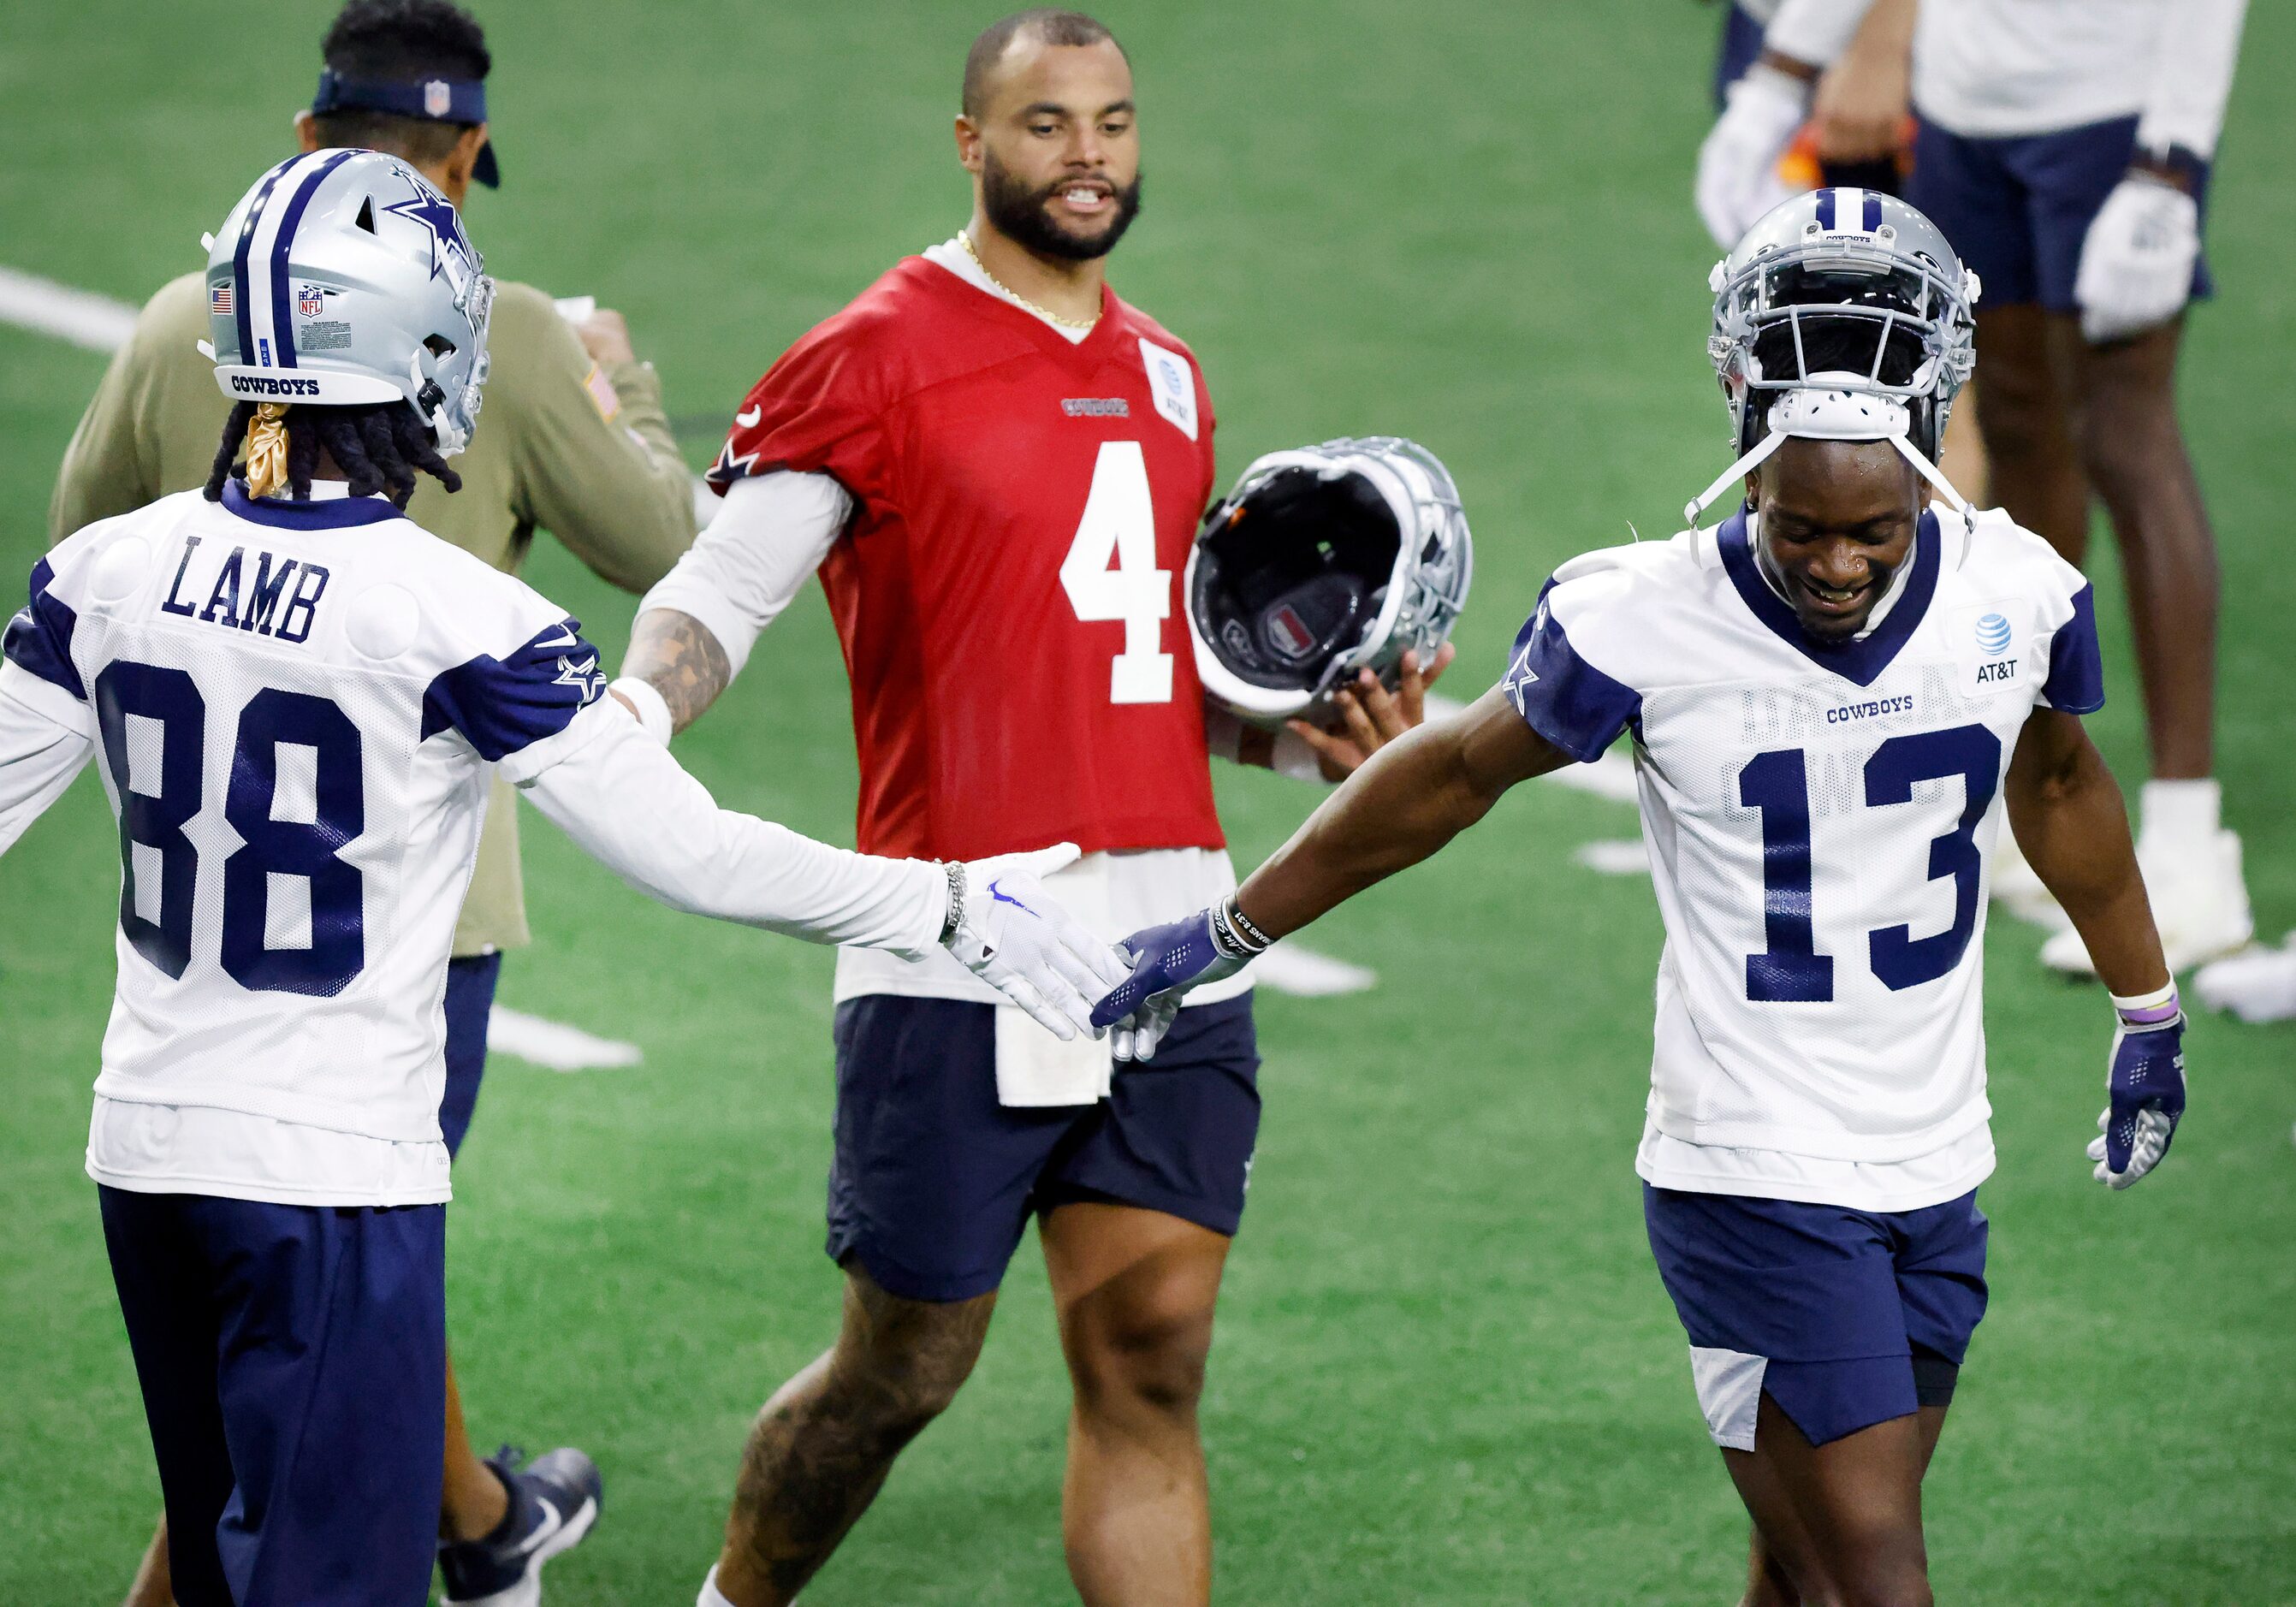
column 1818, row 822
column 262, row 681
column 294, row 707
column 1998, row 69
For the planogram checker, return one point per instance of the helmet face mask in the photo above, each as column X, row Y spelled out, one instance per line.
column 342, row 278
column 1321, row 562
column 1865, row 276
column 1843, row 315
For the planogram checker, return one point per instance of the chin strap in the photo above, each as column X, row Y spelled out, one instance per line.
column 1833, row 415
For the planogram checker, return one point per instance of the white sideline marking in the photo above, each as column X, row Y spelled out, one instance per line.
column 554, row 1046
column 1614, row 857
column 82, row 318
column 1305, row 974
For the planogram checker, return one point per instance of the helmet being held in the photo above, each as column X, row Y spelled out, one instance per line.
column 1321, row 562
column 342, row 278
column 1843, row 315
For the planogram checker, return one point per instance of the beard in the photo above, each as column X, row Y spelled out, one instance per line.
column 1018, row 212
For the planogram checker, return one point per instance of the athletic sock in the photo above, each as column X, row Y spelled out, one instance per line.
column 711, row 1596
column 2181, row 815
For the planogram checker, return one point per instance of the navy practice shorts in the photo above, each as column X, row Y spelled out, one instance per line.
column 2018, row 209
column 1846, row 1318
column 294, row 1364
column 1739, row 48
column 933, row 1181
column 470, row 1002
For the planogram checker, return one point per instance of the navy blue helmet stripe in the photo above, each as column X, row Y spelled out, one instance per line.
column 1825, row 210
column 241, row 307
column 283, row 327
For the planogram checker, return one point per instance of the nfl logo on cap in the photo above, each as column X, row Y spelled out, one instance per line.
column 437, row 98
column 311, row 301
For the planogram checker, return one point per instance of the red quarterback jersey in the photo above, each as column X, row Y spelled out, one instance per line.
column 1007, row 590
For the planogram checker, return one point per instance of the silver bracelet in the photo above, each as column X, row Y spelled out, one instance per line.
column 949, row 927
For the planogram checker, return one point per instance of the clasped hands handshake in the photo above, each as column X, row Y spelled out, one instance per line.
column 1013, row 934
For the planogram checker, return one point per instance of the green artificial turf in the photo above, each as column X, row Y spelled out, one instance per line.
column 1445, row 1371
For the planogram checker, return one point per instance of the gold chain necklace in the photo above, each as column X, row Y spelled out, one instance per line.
column 965, row 239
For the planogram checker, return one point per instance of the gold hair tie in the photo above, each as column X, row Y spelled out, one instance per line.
column 267, row 449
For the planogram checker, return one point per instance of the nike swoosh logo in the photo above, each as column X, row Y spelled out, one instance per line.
column 1005, row 898
column 552, row 1521
column 564, row 638
column 748, row 421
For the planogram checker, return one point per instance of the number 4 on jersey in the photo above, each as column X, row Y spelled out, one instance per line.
column 1119, row 528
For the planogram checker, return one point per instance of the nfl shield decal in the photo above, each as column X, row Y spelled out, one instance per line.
column 310, row 300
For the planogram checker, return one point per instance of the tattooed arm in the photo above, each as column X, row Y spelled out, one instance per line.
column 695, row 629
column 675, row 653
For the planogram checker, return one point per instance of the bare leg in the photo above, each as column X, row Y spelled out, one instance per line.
column 824, row 1444
column 2024, row 416
column 1961, row 458
column 474, row 1501
column 1841, row 1522
column 1766, row 1492
column 152, row 1587
column 2133, row 452
column 1135, row 1290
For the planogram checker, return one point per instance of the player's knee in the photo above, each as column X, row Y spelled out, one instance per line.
column 1885, row 1571
column 2125, row 428
column 2021, row 423
column 900, row 1380
column 1140, row 1354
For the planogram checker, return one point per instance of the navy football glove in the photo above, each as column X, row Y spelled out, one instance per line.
column 2147, row 1084
column 1167, row 961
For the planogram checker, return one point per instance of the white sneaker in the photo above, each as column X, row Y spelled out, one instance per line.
column 2018, row 888
column 2199, row 902
column 2257, row 985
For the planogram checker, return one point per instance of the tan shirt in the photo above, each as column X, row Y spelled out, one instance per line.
column 561, row 443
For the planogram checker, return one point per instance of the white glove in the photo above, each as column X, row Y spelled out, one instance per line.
column 2137, row 262
column 1738, row 165
column 1015, row 938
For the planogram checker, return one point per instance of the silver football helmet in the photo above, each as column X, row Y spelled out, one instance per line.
column 1842, row 314
column 342, row 278
column 1321, row 562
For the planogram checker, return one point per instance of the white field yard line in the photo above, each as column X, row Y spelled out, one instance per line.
column 99, row 324
column 82, row 318
column 554, row 1046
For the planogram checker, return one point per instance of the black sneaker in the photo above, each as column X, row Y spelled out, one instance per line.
column 553, row 1501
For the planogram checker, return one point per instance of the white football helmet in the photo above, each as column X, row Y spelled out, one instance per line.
column 1842, row 314
column 343, row 278
column 1321, row 562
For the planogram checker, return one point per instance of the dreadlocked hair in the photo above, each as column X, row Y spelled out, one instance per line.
column 378, row 447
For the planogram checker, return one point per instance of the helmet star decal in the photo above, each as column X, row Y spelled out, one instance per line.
column 435, row 213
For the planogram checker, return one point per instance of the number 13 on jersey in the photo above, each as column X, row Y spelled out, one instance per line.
column 1110, row 573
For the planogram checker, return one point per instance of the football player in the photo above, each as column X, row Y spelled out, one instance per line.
column 1833, row 699
column 299, row 697
column 996, row 465
column 576, row 441
column 2064, row 149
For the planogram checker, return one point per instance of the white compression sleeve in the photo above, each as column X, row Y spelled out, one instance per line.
column 2191, row 76
column 44, row 740
column 754, row 557
column 630, row 806
column 1814, row 31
